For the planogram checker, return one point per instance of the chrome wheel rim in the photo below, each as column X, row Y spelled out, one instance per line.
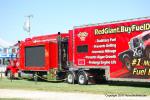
column 81, row 79
column 70, row 78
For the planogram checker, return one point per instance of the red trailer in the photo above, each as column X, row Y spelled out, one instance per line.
column 117, row 51
column 44, row 56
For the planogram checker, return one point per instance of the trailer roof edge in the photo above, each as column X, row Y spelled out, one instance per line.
column 117, row 21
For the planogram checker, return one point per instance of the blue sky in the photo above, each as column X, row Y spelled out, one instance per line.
column 51, row 16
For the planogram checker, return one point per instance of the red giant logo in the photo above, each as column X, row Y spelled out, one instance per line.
column 82, row 35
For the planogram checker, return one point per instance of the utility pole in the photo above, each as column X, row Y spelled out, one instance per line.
column 27, row 24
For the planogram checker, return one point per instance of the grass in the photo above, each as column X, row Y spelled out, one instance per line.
column 114, row 88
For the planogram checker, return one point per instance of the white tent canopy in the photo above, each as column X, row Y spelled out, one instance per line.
column 4, row 43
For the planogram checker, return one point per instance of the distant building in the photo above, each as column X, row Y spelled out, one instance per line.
column 7, row 52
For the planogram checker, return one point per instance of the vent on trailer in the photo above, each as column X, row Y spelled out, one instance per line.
column 35, row 56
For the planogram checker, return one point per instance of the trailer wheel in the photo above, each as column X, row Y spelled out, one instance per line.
column 71, row 77
column 82, row 78
column 9, row 74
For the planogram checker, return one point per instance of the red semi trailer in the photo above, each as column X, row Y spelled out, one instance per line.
column 116, row 51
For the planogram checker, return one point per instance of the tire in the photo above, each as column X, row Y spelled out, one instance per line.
column 82, row 78
column 147, row 53
column 9, row 74
column 71, row 77
column 127, row 63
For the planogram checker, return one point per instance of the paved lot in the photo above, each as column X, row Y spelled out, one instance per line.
column 41, row 95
